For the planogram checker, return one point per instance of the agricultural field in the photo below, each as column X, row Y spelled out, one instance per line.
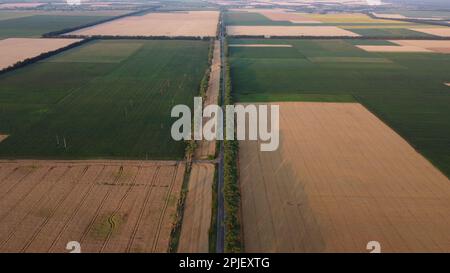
column 340, row 179
column 104, row 99
column 406, row 90
column 194, row 237
column 357, row 23
column 13, row 50
column 172, row 24
column 107, row 206
column 34, row 24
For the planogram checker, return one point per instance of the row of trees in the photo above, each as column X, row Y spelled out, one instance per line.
column 232, row 195
column 189, row 153
column 191, row 144
column 42, row 56
column 137, row 37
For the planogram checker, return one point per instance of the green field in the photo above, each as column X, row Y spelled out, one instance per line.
column 108, row 99
column 36, row 25
column 361, row 24
column 406, row 90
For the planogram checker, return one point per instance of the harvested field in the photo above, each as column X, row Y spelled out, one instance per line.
column 197, row 211
column 436, row 46
column 258, row 45
column 206, row 149
column 441, row 32
column 107, row 206
column 340, row 179
column 382, row 48
column 289, row 31
column 173, row 24
column 447, row 83
column 415, row 102
column 433, row 45
column 14, row 50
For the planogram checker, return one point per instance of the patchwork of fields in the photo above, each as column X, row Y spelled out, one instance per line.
column 406, row 90
column 340, row 179
column 358, row 24
column 24, row 25
column 108, row 99
column 171, row 24
column 106, row 206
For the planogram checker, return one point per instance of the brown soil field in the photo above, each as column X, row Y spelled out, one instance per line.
column 206, row 149
column 197, row 211
column 173, row 24
column 258, row 45
column 289, row 31
column 107, row 206
column 447, row 83
column 441, row 32
column 406, row 48
column 340, row 179
column 13, row 50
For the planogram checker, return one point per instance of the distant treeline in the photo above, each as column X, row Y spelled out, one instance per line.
column 66, row 30
column 42, row 56
column 140, row 37
column 231, row 189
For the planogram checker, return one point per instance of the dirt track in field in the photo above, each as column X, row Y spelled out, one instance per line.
column 107, row 206
column 13, row 50
column 194, row 236
column 172, row 24
column 340, row 179
column 289, row 31
column 206, row 149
